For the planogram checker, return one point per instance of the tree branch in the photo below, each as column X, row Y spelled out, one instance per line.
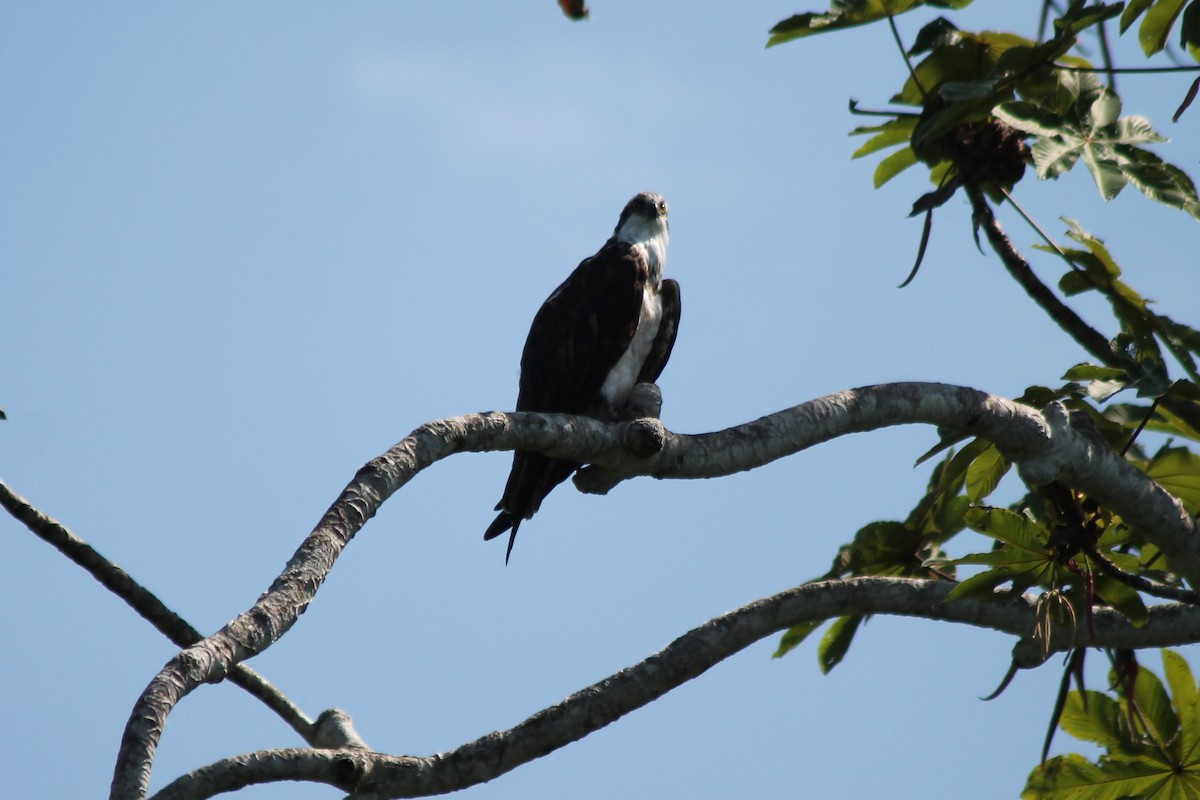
column 147, row 605
column 372, row 776
column 1047, row 446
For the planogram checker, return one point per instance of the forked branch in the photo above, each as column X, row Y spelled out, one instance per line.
column 1047, row 446
column 373, row 776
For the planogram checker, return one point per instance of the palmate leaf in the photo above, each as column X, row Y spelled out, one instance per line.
column 1158, row 758
column 1084, row 121
column 1073, row 777
column 847, row 14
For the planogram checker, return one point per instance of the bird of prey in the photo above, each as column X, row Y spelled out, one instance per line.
column 609, row 326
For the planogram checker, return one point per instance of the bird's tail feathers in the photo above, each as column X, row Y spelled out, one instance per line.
column 503, row 522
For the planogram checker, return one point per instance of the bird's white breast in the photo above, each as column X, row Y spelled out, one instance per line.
column 622, row 377
column 649, row 238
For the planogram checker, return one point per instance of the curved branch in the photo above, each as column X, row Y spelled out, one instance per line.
column 147, row 605
column 1047, row 446
column 370, row 775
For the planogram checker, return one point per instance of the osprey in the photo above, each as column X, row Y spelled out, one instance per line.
column 609, row 326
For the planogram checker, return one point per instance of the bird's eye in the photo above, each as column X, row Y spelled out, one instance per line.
column 662, row 207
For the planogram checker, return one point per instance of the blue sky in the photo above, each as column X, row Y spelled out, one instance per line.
column 246, row 248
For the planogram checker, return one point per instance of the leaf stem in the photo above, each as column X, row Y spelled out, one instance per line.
column 1053, row 245
column 1090, row 339
column 900, row 45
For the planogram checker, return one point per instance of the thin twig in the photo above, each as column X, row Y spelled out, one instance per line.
column 1053, row 245
column 900, row 45
column 1090, row 339
column 1143, row 584
column 146, row 604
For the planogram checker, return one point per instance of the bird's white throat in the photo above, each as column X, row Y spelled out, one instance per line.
column 652, row 236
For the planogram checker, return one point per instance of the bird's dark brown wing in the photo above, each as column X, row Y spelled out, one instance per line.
column 668, row 327
column 581, row 331
column 577, row 336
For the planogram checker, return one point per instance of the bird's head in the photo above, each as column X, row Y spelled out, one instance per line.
column 644, row 218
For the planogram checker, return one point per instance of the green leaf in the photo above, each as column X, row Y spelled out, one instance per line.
column 964, row 58
column 1101, row 722
column 937, row 33
column 1156, row 712
column 1030, row 118
column 1184, row 697
column 1093, row 372
column 841, row 14
column 889, row 134
column 1102, row 390
column 1156, row 27
column 982, row 586
column 954, row 472
column 1080, row 16
column 968, row 90
column 1133, row 10
column 1137, row 130
column 1106, row 170
column 836, row 641
column 985, row 473
column 1014, row 559
column 1161, row 181
column 1177, row 470
column 1053, row 155
column 1173, row 424
column 1103, row 382
column 948, row 515
column 893, row 165
column 793, row 636
column 1072, row 777
column 1104, row 110
column 1123, row 598
column 1008, row 526
column 1094, row 245
column 952, row 116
